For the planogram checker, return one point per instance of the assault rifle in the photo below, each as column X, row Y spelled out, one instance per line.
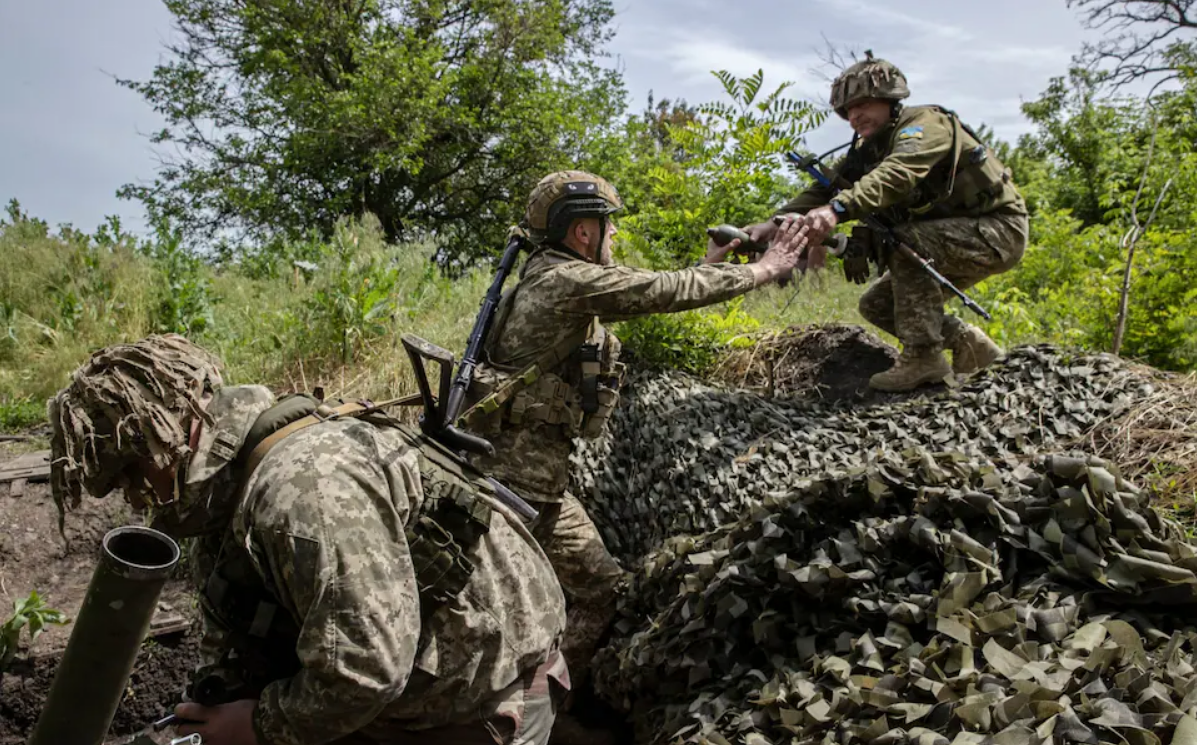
column 884, row 230
column 439, row 420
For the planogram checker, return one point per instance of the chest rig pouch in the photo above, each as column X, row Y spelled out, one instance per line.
column 260, row 634
column 575, row 385
column 968, row 182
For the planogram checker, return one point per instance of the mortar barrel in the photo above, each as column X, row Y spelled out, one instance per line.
column 135, row 563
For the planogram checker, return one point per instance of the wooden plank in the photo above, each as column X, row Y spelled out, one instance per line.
column 31, row 466
column 17, row 488
column 168, row 624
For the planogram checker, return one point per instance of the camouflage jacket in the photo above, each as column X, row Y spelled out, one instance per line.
column 923, row 165
column 557, row 298
column 322, row 523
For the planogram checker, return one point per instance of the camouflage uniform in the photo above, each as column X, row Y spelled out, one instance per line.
column 322, row 523
column 315, row 595
column 947, row 194
column 556, row 305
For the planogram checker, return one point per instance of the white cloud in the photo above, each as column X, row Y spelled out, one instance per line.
column 694, row 55
column 874, row 14
column 1036, row 57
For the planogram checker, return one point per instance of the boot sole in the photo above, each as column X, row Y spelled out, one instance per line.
column 924, row 380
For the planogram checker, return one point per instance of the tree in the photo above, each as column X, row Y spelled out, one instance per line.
column 1078, row 134
column 437, row 116
column 1151, row 40
column 722, row 165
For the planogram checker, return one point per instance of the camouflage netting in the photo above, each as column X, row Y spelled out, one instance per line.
column 910, row 571
column 682, row 456
column 919, row 600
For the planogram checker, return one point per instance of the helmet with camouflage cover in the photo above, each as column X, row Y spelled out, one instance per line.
column 870, row 78
column 563, row 196
column 127, row 410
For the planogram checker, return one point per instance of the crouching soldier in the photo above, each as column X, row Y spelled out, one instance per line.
column 358, row 584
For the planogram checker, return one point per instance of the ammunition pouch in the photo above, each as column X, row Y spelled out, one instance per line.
column 508, row 398
column 971, row 182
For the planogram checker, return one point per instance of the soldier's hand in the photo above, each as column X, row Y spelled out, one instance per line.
column 717, row 253
column 783, row 254
column 856, row 268
column 761, row 232
column 227, row 724
column 817, row 225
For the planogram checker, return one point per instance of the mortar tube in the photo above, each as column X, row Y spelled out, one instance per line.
column 135, row 563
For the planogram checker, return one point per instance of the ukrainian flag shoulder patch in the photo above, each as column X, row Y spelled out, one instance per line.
column 911, row 133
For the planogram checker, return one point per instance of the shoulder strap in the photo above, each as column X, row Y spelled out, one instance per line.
column 528, row 375
column 322, row 413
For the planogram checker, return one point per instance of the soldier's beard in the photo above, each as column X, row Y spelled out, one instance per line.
column 605, row 256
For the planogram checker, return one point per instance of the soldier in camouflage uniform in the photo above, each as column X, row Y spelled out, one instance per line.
column 333, row 610
column 551, row 371
column 950, row 198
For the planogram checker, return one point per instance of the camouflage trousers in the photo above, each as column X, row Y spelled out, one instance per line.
column 589, row 575
column 521, row 714
column 907, row 303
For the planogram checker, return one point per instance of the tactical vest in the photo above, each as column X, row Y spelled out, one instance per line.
column 970, row 182
column 575, row 385
column 261, row 635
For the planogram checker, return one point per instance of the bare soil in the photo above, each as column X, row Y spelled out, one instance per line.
column 34, row 556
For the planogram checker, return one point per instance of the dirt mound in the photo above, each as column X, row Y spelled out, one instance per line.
column 829, row 362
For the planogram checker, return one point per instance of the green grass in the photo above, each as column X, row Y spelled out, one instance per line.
column 337, row 326
column 22, row 413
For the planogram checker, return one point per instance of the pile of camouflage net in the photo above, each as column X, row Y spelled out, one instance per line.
column 920, row 599
column 891, row 571
column 682, row 456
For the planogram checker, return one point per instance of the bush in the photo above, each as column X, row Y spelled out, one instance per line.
column 691, row 340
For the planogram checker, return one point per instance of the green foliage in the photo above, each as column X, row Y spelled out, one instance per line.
column 692, row 341
column 356, row 301
column 437, row 117
column 1094, row 166
column 21, row 413
column 685, row 169
column 30, row 613
column 185, row 295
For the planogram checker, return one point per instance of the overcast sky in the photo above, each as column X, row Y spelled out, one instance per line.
column 69, row 136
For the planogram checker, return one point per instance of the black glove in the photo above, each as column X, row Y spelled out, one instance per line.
column 856, row 268
column 857, row 255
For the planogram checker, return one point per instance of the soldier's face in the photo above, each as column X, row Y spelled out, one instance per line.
column 869, row 116
column 605, row 253
column 584, row 238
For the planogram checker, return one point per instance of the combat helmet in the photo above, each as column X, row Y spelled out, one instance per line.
column 128, row 404
column 563, row 196
column 869, row 78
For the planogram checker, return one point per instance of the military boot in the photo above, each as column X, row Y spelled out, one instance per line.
column 972, row 350
column 915, row 366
